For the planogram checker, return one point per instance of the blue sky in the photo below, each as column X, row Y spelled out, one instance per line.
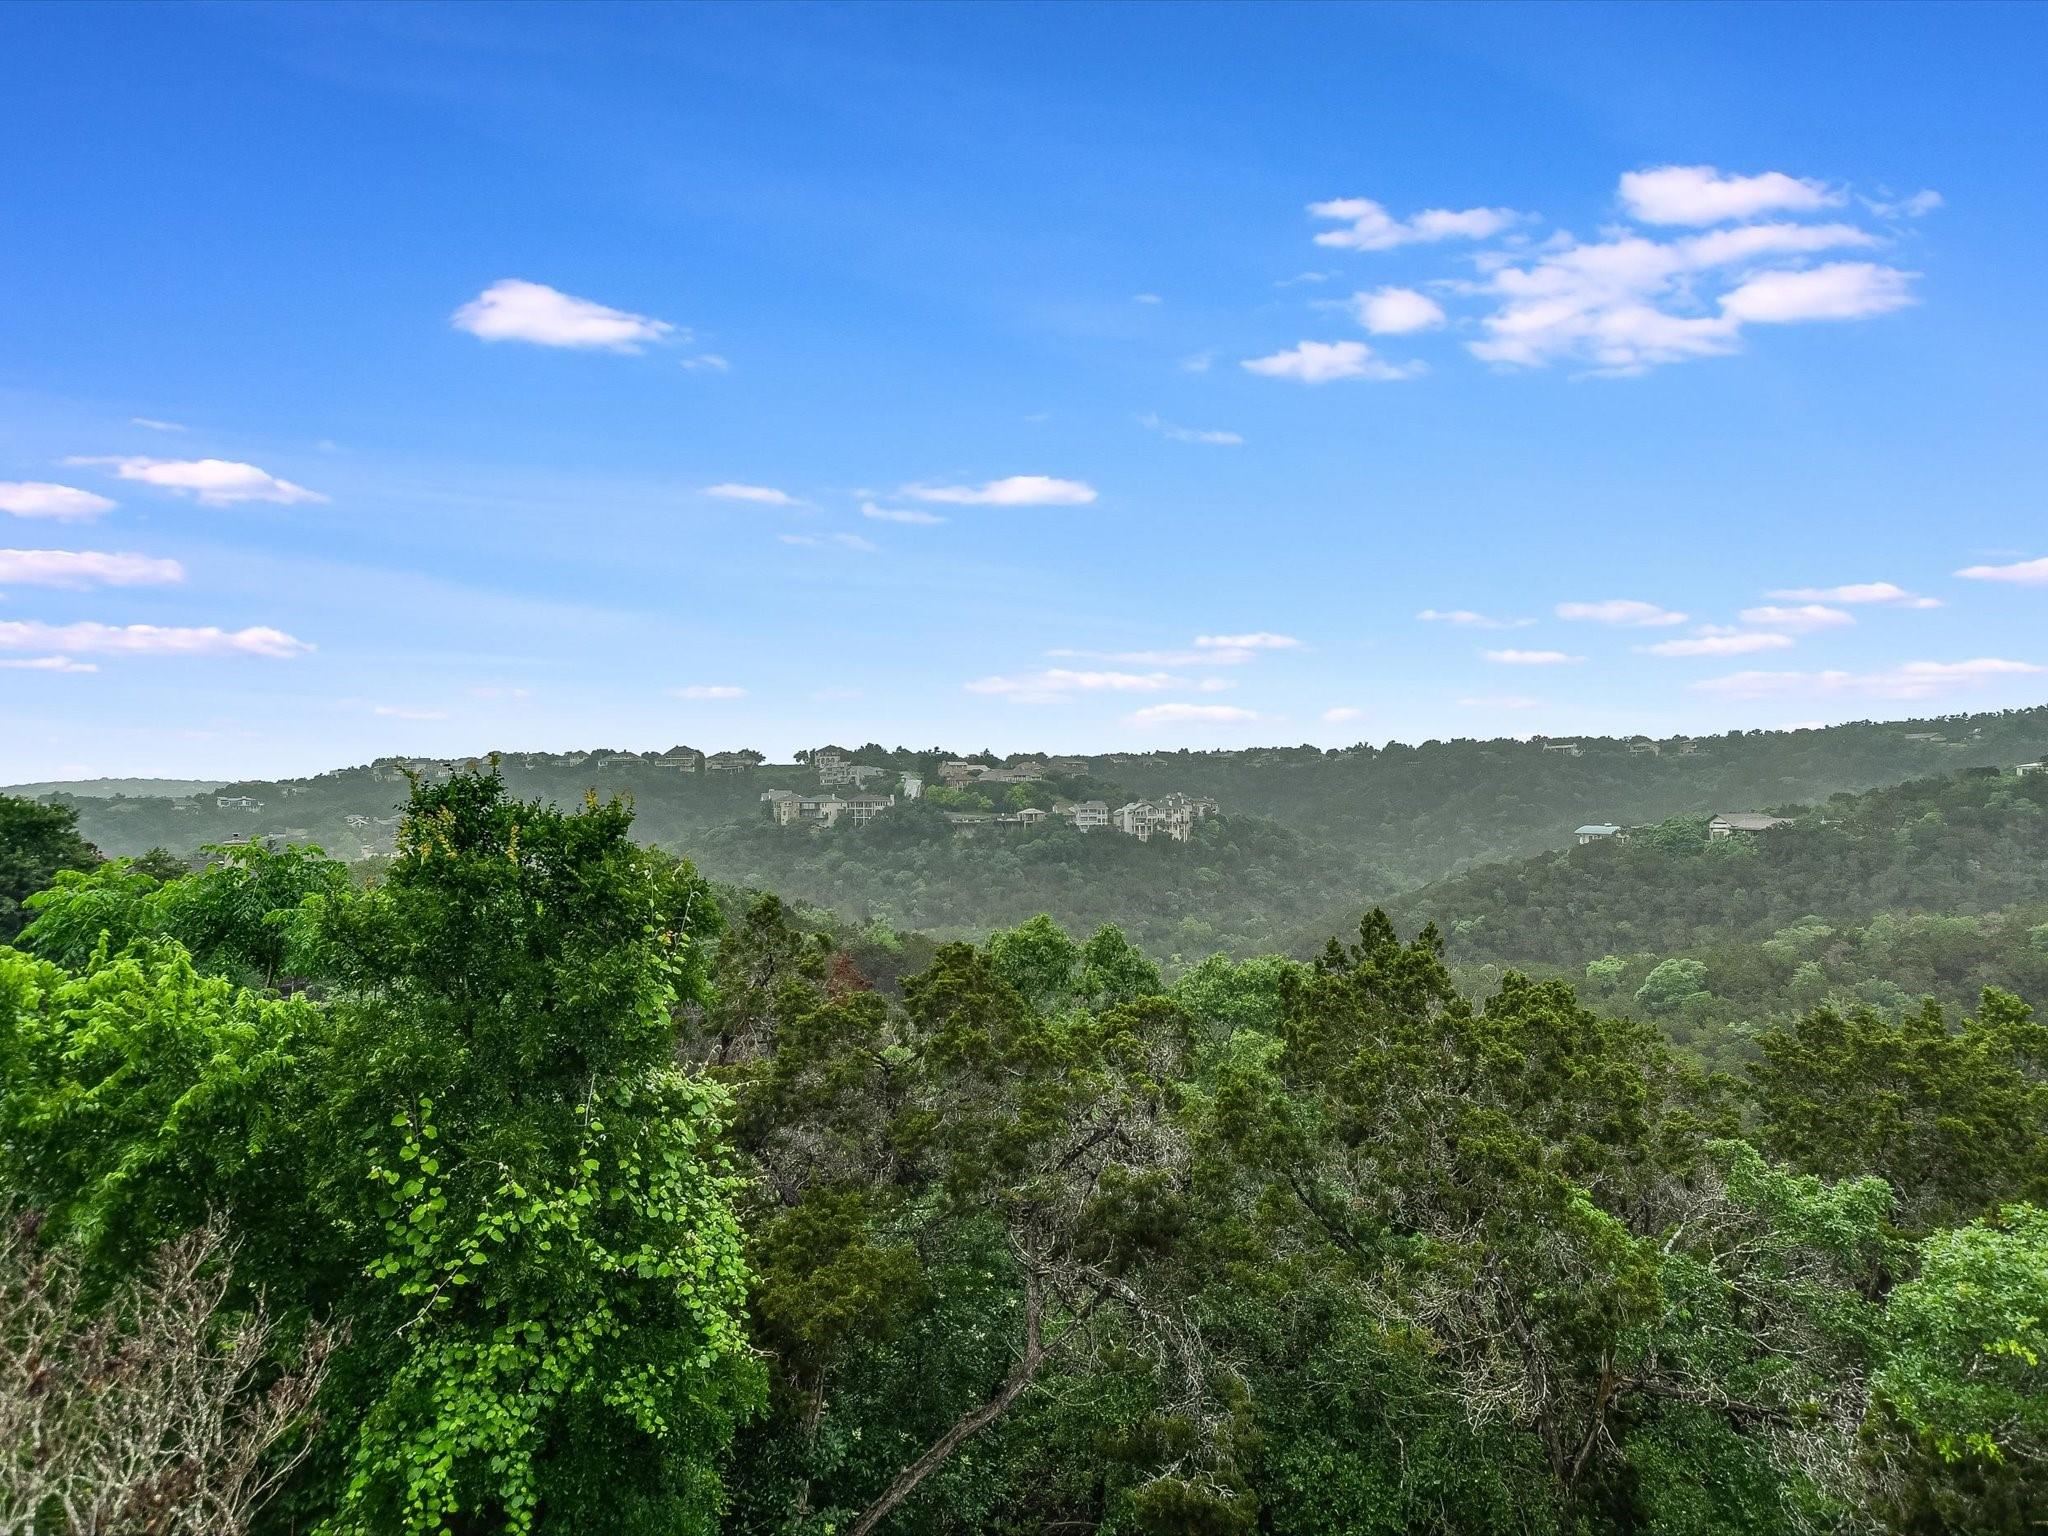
column 429, row 379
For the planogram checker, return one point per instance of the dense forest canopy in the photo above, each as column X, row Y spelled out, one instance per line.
column 535, row 1184
column 1307, row 836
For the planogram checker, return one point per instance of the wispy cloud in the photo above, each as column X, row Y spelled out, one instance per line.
column 1369, row 227
column 827, row 540
column 1719, row 645
column 1701, row 194
column 1261, row 640
column 1803, row 619
column 760, row 495
column 1858, row 592
column 2025, row 573
column 149, row 640
column 1914, row 206
column 496, row 693
column 212, row 482
column 46, row 664
column 708, row 691
column 515, row 310
column 901, row 515
column 1341, row 714
column 1146, row 298
column 1465, row 618
column 1626, row 611
column 1514, row 658
column 155, row 425
column 1911, row 680
column 1182, row 714
column 706, row 362
column 1213, row 436
column 1055, row 683
column 84, row 568
column 59, row 503
column 1396, row 311
column 1325, row 362
column 1012, row 491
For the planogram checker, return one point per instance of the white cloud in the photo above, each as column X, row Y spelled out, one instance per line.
column 1858, row 592
column 823, row 541
column 1369, row 227
column 60, row 503
column 901, row 515
column 1465, row 618
column 1513, row 658
column 149, row 640
column 1213, row 656
column 494, row 692
column 1177, row 714
column 706, row 362
column 2025, row 573
column 47, row 664
column 1718, row 645
column 1013, row 491
column 1197, row 363
column 407, row 712
column 1396, row 311
column 1342, row 713
column 1628, row 303
column 213, row 482
column 84, row 568
column 709, row 691
column 1841, row 290
column 157, row 426
column 1917, row 206
column 512, row 310
column 1700, row 194
column 1057, row 682
column 1320, row 362
column 1621, row 610
column 761, row 495
column 1261, row 640
column 1146, row 298
column 1912, row 680
column 1212, row 436
column 1800, row 620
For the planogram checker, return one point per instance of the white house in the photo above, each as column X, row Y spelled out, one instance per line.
column 913, row 786
column 1595, row 832
column 1731, row 822
column 237, row 803
column 861, row 809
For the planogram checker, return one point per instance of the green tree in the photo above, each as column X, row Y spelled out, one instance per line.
column 36, row 842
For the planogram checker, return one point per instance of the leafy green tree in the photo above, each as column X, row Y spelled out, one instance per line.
column 1966, row 1381
column 36, row 842
column 1672, row 984
column 548, row 1339
column 1956, row 1119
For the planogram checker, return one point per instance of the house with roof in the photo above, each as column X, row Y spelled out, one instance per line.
column 237, row 803
column 1084, row 814
column 862, row 809
column 1728, row 823
column 955, row 774
column 1570, row 748
column 1596, row 832
column 2026, row 768
column 732, row 762
column 913, row 786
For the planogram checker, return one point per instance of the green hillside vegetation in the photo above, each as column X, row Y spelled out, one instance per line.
column 1304, row 832
column 541, row 1187
column 1938, row 887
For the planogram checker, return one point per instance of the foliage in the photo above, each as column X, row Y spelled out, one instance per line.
column 36, row 842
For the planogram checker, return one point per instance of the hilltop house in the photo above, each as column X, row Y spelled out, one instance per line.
column 1083, row 814
column 955, row 774
column 1731, row 822
column 1030, row 816
column 1596, row 832
column 843, row 772
column 732, row 762
column 1645, row 749
column 1142, row 819
column 862, row 809
column 682, row 759
column 913, row 786
column 237, row 803
column 2024, row 768
column 1569, row 747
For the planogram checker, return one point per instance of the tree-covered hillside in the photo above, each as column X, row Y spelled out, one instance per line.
column 1937, row 887
column 1306, row 831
